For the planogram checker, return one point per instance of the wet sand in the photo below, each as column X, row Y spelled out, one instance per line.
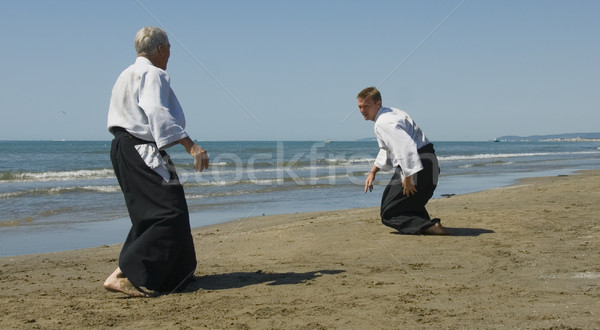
column 525, row 256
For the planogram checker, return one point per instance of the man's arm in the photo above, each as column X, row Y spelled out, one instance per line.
column 198, row 153
column 371, row 178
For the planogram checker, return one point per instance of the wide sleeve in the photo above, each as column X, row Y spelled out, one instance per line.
column 401, row 147
column 382, row 161
column 165, row 116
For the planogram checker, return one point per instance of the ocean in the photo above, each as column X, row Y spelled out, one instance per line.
column 62, row 195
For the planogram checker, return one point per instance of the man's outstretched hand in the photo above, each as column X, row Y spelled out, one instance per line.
column 369, row 182
column 371, row 178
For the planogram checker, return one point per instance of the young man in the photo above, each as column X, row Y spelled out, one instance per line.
column 404, row 147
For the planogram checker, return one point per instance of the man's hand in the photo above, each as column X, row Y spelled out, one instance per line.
column 200, row 157
column 371, row 178
column 409, row 186
column 198, row 153
column 369, row 182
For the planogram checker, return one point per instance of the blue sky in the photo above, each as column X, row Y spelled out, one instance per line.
column 290, row 70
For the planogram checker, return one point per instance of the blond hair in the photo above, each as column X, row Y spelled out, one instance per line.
column 370, row 92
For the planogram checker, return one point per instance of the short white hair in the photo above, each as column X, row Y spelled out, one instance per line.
column 147, row 40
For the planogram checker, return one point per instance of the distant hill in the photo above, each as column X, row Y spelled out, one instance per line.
column 552, row 137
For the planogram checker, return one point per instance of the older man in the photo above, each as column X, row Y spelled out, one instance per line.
column 403, row 146
column 146, row 118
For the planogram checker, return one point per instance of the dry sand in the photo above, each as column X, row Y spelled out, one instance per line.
column 525, row 256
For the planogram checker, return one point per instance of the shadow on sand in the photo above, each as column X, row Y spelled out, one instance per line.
column 241, row 279
column 469, row 231
column 460, row 232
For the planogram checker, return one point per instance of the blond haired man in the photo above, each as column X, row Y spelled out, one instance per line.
column 404, row 147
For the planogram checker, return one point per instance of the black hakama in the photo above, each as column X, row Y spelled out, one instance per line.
column 407, row 214
column 158, row 253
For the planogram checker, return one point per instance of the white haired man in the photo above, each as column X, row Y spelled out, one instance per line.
column 146, row 118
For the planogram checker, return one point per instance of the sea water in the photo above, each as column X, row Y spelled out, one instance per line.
column 59, row 195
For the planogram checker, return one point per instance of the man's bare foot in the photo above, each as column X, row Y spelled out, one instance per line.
column 437, row 229
column 117, row 282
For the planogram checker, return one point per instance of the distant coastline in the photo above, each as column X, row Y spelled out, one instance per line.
column 565, row 137
column 570, row 140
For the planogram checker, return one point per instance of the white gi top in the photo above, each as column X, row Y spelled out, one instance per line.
column 399, row 139
column 144, row 104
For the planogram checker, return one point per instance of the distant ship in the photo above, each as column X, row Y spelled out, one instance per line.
column 328, row 141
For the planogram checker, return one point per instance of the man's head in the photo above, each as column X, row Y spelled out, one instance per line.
column 153, row 44
column 369, row 102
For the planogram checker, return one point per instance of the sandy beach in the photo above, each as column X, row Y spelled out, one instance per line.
column 525, row 256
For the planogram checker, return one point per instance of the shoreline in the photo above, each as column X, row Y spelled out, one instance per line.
column 522, row 256
column 26, row 240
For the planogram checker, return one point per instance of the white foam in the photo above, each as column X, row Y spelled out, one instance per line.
column 509, row 155
column 63, row 175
